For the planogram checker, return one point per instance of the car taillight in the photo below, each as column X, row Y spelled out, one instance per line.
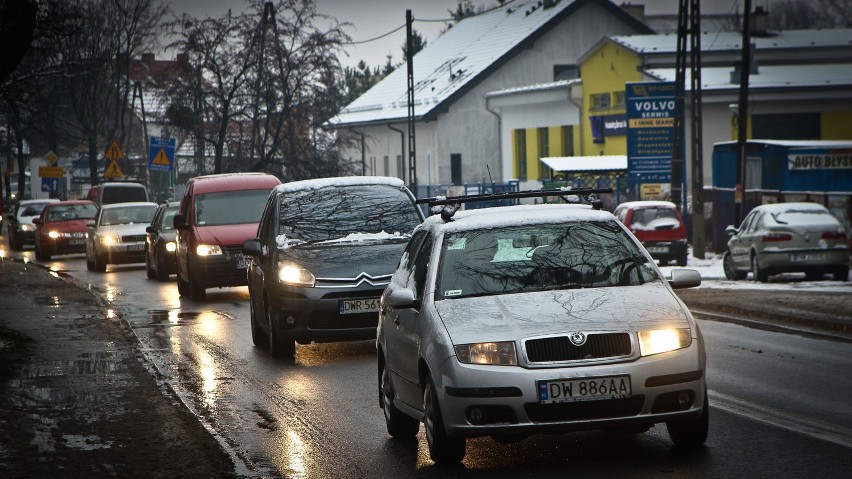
column 834, row 235
column 773, row 237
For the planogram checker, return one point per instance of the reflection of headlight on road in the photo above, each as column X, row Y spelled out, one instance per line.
column 54, row 234
column 2, row 253
column 293, row 274
column 170, row 246
column 663, row 340
column 207, row 249
column 109, row 239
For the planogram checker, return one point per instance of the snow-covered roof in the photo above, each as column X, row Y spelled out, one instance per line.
column 556, row 85
column 460, row 58
column 338, row 181
column 771, row 76
column 520, row 215
column 648, row 204
column 796, row 143
column 586, row 163
column 727, row 41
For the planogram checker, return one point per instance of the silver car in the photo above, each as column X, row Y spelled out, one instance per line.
column 117, row 235
column 511, row 321
column 787, row 237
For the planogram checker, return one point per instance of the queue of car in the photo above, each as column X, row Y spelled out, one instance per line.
column 488, row 321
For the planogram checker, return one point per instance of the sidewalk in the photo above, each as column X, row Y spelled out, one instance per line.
column 75, row 398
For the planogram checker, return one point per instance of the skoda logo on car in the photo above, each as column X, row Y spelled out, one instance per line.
column 577, row 339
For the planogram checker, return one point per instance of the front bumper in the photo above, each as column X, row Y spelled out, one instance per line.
column 123, row 253
column 64, row 245
column 666, row 250
column 314, row 314
column 802, row 260
column 220, row 270
column 657, row 382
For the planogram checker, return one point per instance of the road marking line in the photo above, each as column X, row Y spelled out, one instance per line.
column 789, row 421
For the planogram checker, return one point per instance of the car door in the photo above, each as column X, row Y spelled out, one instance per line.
column 260, row 267
column 740, row 243
column 406, row 353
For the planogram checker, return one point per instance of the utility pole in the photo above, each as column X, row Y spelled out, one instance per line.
column 742, row 115
column 677, row 133
column 695, row 108
column 409, row 54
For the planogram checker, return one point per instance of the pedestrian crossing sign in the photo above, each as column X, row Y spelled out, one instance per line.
column 113, row 170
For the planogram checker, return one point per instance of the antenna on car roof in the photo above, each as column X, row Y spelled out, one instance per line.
column 450, row 204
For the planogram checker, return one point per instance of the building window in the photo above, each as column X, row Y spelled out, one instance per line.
column 619, row 99
column 543, row 152
column 565, row 72
column 521, row 154
column 567, row 141
column 599, row 101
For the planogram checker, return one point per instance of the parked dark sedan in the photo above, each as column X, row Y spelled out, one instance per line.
column 324, row 252
column 160, row 243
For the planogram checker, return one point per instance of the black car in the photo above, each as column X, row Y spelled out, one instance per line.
column 20, row 222
column 324, row 252
column 160, row 243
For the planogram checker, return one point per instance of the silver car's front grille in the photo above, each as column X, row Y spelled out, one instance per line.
column 132, row 238
column 561, row 348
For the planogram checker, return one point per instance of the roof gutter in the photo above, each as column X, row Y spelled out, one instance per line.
column 363, row 152
column 579, row 106
column 499, row 133
column 401, row 148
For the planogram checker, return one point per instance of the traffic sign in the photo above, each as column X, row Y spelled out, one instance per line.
column 50, row 157
column 114, row 153
column 161, row 155
column 113, row 170
column 51, row 185
column 51, row 171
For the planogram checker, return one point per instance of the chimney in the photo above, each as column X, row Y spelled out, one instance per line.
column 148, row 58
column 759, row 22
column 636, row 11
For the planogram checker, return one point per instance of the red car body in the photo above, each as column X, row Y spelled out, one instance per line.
column 659, row 226
column 61, row 228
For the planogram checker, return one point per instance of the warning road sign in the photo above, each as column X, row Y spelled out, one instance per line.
column 161, row 155
column 113, row 170
column 50, row 157
column 114, row 153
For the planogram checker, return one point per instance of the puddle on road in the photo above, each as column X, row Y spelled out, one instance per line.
column 52, row 301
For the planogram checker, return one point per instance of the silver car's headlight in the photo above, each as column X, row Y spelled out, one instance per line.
column 663, row 340
column 25, row 227
column 110, row 238
column 295, row 275
column 500, row 354
column 208, row 249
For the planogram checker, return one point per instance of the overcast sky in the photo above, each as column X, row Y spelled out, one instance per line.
column 372, row 18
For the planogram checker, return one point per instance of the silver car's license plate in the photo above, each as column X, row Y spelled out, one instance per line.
column 136, row 247
column 807, row 257
column 354, row 306
column 584, row 389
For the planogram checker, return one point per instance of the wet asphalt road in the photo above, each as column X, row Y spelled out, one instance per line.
column 779, row 402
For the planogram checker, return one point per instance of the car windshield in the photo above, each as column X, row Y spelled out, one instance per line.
column 167, row 220
column 33, row 209
column 336, row 212
column 127, row 215
column 71, row 212
column 230, row 207
column 654, row 219
column 540, row 258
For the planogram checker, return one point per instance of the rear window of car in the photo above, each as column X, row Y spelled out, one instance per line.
column 123, row 194
column 336, row 212
column 804, row 216
column 654, row 218
column 540, row 258
column 230, row 207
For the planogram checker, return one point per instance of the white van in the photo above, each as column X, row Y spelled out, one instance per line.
column 117, row 192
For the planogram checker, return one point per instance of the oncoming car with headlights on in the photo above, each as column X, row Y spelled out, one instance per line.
column 517, row 320
column 117, row 235
column 61, row 228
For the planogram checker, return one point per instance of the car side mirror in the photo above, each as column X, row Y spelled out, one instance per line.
column 150, row 229
column 402, row 299
column 684, row 278
column 731, row 230
column 179, row 221
column 252, row 247
column 90, row 224
column 10, row 218
column 36, row 221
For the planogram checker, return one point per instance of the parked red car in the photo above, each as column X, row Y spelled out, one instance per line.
column 659, row 226
column 61, row 228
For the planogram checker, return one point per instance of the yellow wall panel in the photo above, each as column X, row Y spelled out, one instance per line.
column 532, row 154
column 835, row 125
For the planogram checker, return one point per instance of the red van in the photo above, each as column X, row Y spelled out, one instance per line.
column 217, row 214
column 659, row 226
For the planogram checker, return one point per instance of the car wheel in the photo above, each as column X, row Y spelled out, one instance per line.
column 278, row 348
column 681, row 260
column 183, row 286
column 813, row 276
column 99, row 263
column 45, row 256
column 841, row 274
column 399, row 424
column 149, row 271
column 756, row 272
column 730, row 269
column 257, row 336
column 443, row 448
column 197, row 292
column 691, row 432
column 38, row 254
column 162, row 271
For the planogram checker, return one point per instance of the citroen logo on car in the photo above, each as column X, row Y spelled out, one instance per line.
column 577, row 339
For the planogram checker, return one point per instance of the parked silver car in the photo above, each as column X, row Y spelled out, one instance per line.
column 511, row 321
column 787, row 237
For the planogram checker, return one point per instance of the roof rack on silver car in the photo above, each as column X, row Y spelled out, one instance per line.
column 450, row 204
